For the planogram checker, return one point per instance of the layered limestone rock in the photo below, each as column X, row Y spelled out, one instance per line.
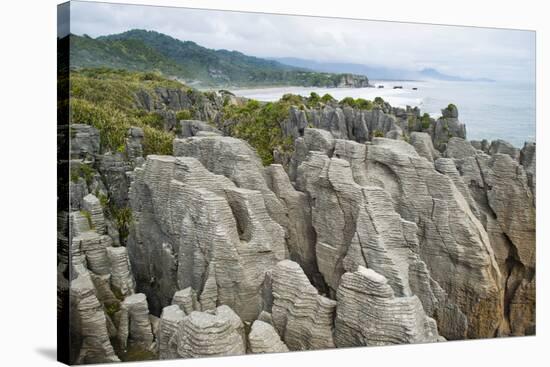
column 264, row 339
column 122, row 279
column 343, row 122
column 190, row 128
column 214, row 237
column 94, row 247
column 301, row 316
column 94, row 211
column 89, row 324
column 453, row 243
column 84, row 141
column 300, row 230
column 186, row 300
column 113, row 168
column 134, row 145
column 169, row 321
column 369, row 313
column 449, row 234
column 135, row 326
column 219, row 332
column 528, row 159
column 448, row 126
column 361, row 230
column 503, row 147
column 500, row 187
column 423, row 144
column 236, row 160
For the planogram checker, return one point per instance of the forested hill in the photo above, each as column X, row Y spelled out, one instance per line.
column 142, row 50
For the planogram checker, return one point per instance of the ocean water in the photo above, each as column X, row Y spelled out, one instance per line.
column 490, row 110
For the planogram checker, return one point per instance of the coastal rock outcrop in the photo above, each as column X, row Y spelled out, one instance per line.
column 219, row 332
column 212, row 236
column 384, row 226
column 302, row 317
column 89, row 324
column 170, row 319
column 369, row 313
column 264, row 339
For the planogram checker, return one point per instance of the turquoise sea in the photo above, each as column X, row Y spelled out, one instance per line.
column 490, row 110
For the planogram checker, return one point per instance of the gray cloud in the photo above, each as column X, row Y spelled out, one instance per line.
column 465, row 51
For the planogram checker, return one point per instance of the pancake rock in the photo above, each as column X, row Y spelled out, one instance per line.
column 219, row 332
column 169, row 321
column 135, row 326
column 423, row 144
column 300, row 315
column 369, row 313
column 196, row 229
column 122, row 279
column 264, row 339
column 186, row 300
column 355, row 227
column 452, row 242
column 500, row 188
column 89, row 324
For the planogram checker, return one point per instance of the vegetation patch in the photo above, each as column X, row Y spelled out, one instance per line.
column 378, row 133
column 106, row 99
column 260, row 124
column 426, row 121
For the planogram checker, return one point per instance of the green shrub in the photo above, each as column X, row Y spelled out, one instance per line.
column 293, row 99
column 83, row 170
column 411, row 121
column 259, row 125
column 153, row 119
column 379, row 101
column 364, row 104
column 314, row 97
column 122, row 218
column 86, row 214
column 426, row 121
column 348, row 101
column 184, row 115
column 327, row 98
column 378, row 134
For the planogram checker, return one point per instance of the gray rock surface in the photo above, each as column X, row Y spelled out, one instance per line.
column 264, row 339
column 122, row 279
column 84, row 141
column 134, row 145
column 213, row 236
column 503, row 147
column 301, row 316
column 89, row 324
column 219, row 332
column 186, row 300
column 369, row 313
column 170, row 319
column 450, row 235
column 194, row 127
column 423, row 144
column 528, row 159
column 135, row 326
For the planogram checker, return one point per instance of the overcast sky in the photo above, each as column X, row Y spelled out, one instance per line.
column 464, row 51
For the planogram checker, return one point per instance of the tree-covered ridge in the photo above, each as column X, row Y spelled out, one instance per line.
column 140, row 50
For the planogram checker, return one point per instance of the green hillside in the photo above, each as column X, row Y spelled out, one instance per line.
column 140, row 50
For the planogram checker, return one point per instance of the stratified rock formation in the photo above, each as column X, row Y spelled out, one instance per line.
column 219, row 332
column 369, row 313
column 263, row 338
column 383, row 226
column 301, row 316
column 212, row 236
